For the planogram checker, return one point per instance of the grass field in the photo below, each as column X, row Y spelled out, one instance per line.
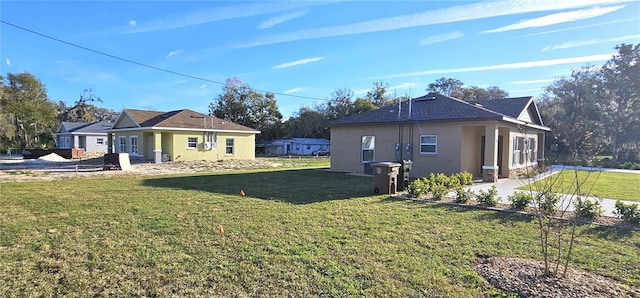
column 609, row 185
column 298, row 232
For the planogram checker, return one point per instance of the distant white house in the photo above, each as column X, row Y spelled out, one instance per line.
column 92, row 137
column 296, row 146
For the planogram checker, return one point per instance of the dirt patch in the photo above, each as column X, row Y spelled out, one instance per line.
column 526, row 278
column 43, row 170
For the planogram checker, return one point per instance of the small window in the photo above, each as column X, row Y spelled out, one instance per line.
column 122, row 144
column 99, row 141
column 518, row 153
column 192, row 142
column 229, row 147
column 428, row 144
column 531, row 150
column 134, row 145
column 368, row 148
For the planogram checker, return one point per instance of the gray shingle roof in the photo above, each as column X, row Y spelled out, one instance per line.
column 432, row 107
column 93, row 127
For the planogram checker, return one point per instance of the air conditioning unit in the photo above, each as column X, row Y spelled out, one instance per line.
column 214, row 145
column 207, row 146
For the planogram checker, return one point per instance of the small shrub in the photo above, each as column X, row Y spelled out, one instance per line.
column 628, row 212
column 454, row 181
column 439, row 191
column 440, row 179
column 547, row 202
column 488, row 198
column 465, row 178
column 463, row 195
column 587, row 208
column 520, row 200
column 418, row 187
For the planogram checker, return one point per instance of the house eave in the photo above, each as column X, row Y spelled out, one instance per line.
column 526, row 124
column 183, row 129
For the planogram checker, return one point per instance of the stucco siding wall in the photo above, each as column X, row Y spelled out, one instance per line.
column 471, row 151
column 448, row 158
column 243, row 147
column 93, row 146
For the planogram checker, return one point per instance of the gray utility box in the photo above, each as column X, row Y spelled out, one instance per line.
column 385, row 175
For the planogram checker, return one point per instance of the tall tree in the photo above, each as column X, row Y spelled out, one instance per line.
column 445, row 86
column 340, row 105
column 242, row 105
column 571, row 108
column 308, row 123
column 622, row 108
column 33, row 116
column 83, row 109
column 378, row 95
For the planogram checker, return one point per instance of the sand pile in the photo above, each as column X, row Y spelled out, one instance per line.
column 52, row 157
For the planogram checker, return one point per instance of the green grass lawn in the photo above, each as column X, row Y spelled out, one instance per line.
column 298, row 232
column 609, row 185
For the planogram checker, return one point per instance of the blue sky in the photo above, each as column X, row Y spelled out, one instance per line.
column 303, row 50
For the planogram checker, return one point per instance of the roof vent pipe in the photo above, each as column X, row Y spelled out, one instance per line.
column 410, row 107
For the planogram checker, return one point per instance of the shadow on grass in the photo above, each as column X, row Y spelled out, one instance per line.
column 293, row 186
column 614, row 233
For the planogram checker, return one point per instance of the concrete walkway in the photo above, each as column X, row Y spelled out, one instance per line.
column 506, row 187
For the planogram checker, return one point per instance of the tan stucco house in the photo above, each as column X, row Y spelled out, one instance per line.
column 180, row 135
column 440, row 134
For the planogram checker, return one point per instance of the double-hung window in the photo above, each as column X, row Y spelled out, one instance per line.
column 229, row 147
column 428, row 144
column 518, row 147
column 122, row 144
column 192, row 143
column 531, row 150
column 133, row 145
column 368, row 148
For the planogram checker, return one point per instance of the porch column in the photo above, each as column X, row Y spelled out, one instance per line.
column 76, row 141
column 540, row 156
column 110, row 143
column 490, row 166
column 157, row 147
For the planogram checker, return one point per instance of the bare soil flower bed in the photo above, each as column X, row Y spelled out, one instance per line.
column 526, row 278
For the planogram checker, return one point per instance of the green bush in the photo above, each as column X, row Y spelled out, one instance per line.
column 419, row 187
column 440, row 179
column 488, row 198
column 465, row 178
column 628, row 212
column 520, row 200
column 439, row 191
column 463, row 195
column 588, row 208
column 547, row 202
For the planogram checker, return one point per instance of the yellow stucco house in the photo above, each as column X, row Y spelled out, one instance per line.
column 180, row 135
column 440, row 134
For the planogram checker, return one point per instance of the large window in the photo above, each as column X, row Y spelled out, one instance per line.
column 368, row 148
column 518, row 154
column 428, row 144
column 229, row 147
column 65, row 143
column 133, row 145
column 531, row 149
column 192, row 143
column 122, row 144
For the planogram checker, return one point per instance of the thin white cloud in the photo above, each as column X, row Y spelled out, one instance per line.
column 440, row 38
column 558, row 18
column 474, row 11
column 294, row 90
column 575, row 44
column 132, row 23
column 172, row 53
column 282, row 18
column 203, row 86
column 7, row 61
column 298, row 62
column 518, row 65
column 532, row 82
column 215, row 14
column 582, row 27
column 405, row 85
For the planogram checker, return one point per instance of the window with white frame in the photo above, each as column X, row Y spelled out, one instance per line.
column 65, row 142
column 368, row 148
column 122, row 144
column 428, row 144
column 518, row 153
column 229, row 147
column 133, row 145
column 531, row 149
column 192, row 143
column 100, row 141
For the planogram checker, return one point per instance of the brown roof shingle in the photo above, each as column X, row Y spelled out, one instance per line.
column 183, row 119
